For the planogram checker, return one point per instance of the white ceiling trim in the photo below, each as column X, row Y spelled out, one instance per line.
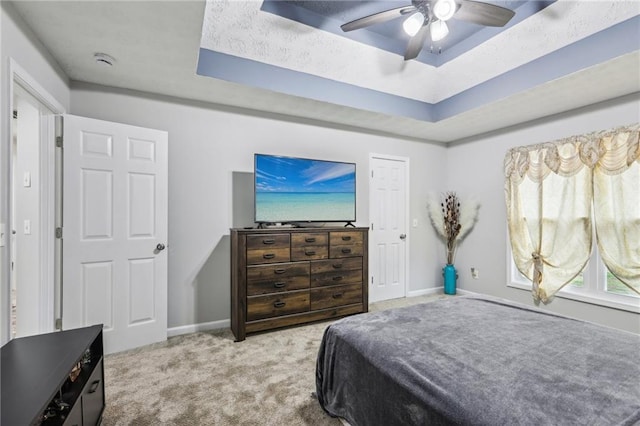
column 240, row 28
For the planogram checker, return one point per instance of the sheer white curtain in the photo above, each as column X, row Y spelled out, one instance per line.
column 550, row 190
column 616, row 193
column 548, row 193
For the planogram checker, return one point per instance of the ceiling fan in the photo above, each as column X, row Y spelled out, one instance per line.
column 428, row 17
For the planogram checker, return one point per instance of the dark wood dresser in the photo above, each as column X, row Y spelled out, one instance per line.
column 286, row 276
column 54, row 379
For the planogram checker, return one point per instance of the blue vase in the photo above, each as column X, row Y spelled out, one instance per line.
column 450, row 276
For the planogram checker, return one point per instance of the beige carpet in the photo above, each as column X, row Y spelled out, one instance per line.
column 208, row 379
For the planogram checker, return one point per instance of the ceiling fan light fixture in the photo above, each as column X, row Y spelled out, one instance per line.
column 413, row 23
column 438, row 30
column 444, row 9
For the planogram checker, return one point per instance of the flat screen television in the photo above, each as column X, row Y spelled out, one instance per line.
column 297, row 190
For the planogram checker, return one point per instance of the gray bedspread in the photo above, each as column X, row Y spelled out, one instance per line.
column 477, row 361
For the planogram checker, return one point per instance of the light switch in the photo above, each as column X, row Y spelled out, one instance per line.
column 3, row 234
column 415, row 223
column 26, row 181
column 27, row 227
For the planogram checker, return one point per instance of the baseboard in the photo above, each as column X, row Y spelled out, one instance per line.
column 435, row 290
column 424, row 292
column 194, row 328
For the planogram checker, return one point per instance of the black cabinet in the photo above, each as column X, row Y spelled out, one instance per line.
column 54, row 379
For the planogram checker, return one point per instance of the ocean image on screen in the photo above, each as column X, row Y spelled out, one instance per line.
column 297, row 190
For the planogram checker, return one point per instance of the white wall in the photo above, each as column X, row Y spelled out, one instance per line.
column 475, row 168
column 27, row 207
column 18, row 42
column 210, row 157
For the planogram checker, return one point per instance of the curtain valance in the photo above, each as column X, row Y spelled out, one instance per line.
column 612, row 150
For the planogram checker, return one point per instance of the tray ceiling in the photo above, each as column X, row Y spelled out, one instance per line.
column 562, row 55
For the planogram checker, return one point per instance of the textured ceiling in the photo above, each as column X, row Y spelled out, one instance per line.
column 274, row 65
column 329, row 15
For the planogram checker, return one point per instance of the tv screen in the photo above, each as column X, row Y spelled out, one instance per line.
column 290, row 190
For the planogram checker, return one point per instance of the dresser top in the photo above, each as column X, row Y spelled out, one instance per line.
column 280, row 229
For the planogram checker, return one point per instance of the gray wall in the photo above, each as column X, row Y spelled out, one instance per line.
column 475, row 169
column 210, row 170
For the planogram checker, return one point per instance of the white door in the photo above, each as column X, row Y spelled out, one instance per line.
column 115, row 231
column 388, row 207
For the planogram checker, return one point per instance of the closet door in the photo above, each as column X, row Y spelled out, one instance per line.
column 114, row 231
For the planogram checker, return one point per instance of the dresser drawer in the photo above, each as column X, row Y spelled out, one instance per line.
column 262, row 241
column 334, row 265
column 309, row 246
column 277, row 278
column 345, row 244
column 329, row 297
column 329, row 278
column 268, row 248
column 260, row 307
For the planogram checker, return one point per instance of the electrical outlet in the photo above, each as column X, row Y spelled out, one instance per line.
column 475, row 273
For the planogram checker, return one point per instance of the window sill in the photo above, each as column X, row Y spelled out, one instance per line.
column 633, row 305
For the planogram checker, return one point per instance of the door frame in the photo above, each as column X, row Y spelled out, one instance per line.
column 19, row 76
column 407, row 197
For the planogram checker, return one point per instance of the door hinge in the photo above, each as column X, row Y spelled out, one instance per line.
column 59, row 141
column 371, row 173
column 58, row 324
column 58, row 232
column 15, row 113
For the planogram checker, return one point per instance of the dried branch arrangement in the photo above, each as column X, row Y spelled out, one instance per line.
column 452, row 219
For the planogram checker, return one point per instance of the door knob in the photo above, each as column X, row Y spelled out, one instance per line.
column 160, row 247
column 403, row 236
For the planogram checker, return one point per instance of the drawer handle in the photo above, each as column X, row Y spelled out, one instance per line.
column 278, row 304
column 268, row 256
column 338, row 278
column 337, row 265
column 310, row 240
column 94, row 386
column 279, row 284
column 337, row 295
column 269, row 241
column 310, row 252
column 279, row 271
column 346, row 250
column 346, row 238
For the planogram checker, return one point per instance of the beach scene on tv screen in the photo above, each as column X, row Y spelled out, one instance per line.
column 297, row 189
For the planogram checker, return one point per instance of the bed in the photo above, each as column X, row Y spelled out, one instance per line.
column 476, row 360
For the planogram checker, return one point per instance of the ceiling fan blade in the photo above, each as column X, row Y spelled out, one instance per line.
column 484, row 13
column 415, row 44
column 377, row 18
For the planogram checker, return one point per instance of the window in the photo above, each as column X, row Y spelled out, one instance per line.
column 595, row 285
